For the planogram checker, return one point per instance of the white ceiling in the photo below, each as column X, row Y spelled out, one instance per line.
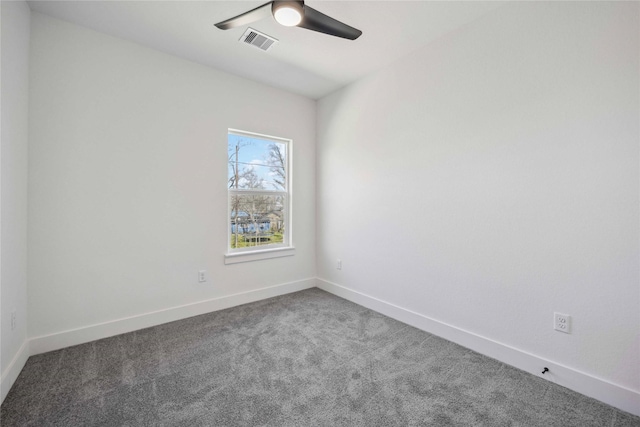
column 304, row 62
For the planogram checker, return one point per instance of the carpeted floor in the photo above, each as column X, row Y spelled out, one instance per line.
column 303, row 359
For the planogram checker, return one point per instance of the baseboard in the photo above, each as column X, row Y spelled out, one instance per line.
column 85, row 334
column 602, row 390
column 10, row 374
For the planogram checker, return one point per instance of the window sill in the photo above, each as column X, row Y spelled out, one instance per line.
column 238, row 257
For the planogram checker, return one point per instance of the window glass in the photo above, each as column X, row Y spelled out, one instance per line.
column 258, row 185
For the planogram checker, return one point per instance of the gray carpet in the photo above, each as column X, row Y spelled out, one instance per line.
column 303, row 359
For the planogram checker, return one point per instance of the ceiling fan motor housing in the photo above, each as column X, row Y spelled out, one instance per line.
column 288, row 13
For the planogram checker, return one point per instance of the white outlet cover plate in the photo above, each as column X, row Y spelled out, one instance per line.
column 562, row 322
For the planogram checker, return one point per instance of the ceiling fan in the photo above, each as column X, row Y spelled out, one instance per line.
column 294, row 14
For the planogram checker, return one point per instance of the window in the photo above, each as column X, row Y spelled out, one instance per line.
column 259, row 196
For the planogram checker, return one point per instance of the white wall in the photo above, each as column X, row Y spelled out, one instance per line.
column 127, row 181
column 491, row 178
column 13, row 190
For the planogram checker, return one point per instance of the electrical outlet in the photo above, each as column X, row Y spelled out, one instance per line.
column 13, row 320
column 339, row 264
column 202, row 276
column 562, row 322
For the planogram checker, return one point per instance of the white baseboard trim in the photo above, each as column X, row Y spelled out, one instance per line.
column 56, row 341
column 10, row 374
column 602, row 390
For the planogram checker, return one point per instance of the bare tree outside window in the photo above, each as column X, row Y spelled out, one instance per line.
column 277, row 163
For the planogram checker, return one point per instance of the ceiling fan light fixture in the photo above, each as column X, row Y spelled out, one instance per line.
column 288, row 13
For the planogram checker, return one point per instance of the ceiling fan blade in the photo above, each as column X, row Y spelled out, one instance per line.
column 253, row 15
column 317, row 21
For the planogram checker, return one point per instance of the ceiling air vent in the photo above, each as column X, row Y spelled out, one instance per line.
column 258, row 39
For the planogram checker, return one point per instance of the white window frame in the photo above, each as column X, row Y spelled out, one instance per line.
column 286, row 248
